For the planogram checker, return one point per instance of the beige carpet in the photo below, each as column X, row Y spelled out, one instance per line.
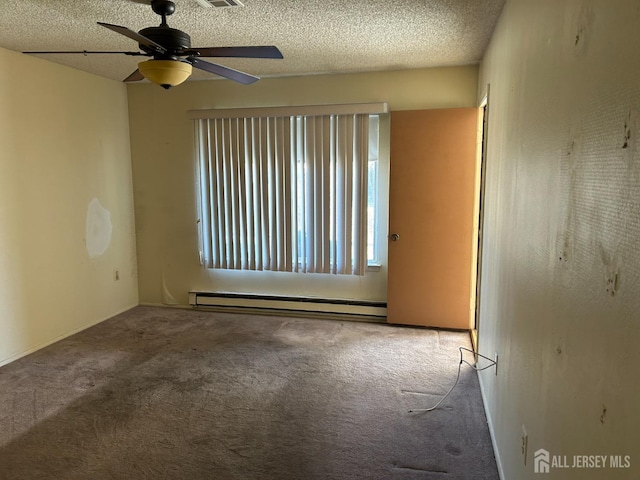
column 176, row 394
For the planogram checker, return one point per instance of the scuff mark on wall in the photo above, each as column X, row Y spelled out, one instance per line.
column 627, row 135
column 569, row 171
column 585, row 22
column 611, row 279
column 167, row 296
column 611, row 271
column 98, row 229
column 629, row 142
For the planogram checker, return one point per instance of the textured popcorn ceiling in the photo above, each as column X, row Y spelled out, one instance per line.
column 315, row 36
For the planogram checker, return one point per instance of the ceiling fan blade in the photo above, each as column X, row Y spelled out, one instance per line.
column 226, row 72
column 241, row 52
column 88, row 52
column 141, row 39
column 134, row 77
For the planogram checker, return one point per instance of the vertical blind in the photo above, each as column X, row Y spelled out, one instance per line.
column 284, row 193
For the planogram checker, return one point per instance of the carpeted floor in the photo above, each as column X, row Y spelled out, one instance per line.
column 177, row 394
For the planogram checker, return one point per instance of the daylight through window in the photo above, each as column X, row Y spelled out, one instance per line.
column 294, row 193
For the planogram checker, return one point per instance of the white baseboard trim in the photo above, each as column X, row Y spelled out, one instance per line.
column 16, row 356
column 270, row 312
column 496, row 452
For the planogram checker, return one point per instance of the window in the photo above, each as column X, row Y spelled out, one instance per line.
column 293, row 192
column 373, row 194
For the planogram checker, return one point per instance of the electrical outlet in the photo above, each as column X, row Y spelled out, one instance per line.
column 496, row 364
column 524, row 444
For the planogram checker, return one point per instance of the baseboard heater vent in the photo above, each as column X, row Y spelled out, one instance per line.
column 276, row 304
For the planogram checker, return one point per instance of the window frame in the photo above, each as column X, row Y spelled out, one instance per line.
column 371, row 263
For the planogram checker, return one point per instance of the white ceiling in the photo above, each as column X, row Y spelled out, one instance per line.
column 328, row 36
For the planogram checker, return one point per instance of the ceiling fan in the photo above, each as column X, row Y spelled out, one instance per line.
column 173, row 56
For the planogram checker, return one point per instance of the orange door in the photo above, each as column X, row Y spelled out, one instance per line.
column 431, row 207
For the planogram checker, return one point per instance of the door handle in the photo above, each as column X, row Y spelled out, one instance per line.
column 394, row 237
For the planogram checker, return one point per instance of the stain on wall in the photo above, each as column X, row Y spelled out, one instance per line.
column 98, row 229
column 561, row 250
column 583, row 29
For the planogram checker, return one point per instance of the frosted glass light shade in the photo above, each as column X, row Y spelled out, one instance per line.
column 166, row 73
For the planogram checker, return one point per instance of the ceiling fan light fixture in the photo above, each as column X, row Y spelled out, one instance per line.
column 166, row 73
column 167, row 45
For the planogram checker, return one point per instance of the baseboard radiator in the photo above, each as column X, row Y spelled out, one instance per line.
column 275, row 304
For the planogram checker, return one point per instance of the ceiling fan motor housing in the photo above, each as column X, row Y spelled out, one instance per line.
column 174, row 40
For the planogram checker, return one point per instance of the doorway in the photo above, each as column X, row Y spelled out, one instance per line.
column 483, row 118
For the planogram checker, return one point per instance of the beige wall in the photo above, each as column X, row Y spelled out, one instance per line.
column 562, row 222
column 64, row 141
column 163, row 169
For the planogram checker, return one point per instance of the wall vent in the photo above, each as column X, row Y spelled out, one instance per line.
column 220, row 3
